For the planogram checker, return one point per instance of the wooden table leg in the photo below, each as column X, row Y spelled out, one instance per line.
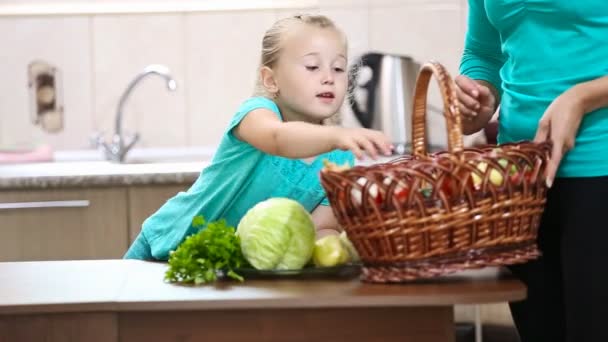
column 415, row 324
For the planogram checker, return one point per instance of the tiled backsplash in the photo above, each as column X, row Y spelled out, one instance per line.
column 213, row 60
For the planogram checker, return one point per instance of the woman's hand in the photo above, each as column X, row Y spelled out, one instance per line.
column 475, row 98
column 360, row 141
column 560, row 125
column 477, row 103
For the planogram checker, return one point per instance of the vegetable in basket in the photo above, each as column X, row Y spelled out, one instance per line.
column 515, row 177
column 495, row 176
column 401, row 192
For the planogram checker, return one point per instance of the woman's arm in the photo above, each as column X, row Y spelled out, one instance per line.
column 593, row 94
column 481, row 61
column 478, row 103
column 482, row 57
column 562, row 119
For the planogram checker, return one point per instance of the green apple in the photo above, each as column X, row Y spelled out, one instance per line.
column 495, row 176
column 329, row 251
column 503, row 162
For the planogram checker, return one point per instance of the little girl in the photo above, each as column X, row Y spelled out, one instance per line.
column 276, row 142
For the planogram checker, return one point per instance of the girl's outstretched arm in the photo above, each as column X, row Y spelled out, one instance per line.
column 265, row 131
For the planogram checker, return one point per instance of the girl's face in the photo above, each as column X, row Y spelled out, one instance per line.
column 310, row 73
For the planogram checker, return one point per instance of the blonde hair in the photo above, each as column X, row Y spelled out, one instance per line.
column 272, row 47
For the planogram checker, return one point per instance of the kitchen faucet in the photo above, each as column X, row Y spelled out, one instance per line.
column 117, row 149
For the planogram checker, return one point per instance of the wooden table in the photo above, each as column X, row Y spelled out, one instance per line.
column 127, row 300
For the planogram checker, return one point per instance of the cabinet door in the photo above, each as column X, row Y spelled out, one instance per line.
column 145, row 200
column 62, row 224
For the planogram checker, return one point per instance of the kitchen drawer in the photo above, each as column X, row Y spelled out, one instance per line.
column 60, row 224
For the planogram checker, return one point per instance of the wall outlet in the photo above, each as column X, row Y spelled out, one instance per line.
column 46, row 98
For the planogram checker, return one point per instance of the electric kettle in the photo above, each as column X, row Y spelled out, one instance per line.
column 386, row 104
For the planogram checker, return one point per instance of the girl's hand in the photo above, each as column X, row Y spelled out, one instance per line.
column 560, row 125
column 475, row 99
column 360, row 141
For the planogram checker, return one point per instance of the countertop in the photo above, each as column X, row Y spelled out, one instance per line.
column 96, row 173
column 144, row 166
column 132, row 285
column 86, row 168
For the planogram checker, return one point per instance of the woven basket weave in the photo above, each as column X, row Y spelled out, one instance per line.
column 426, row 215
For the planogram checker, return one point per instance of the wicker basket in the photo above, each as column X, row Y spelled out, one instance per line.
column 426, row 215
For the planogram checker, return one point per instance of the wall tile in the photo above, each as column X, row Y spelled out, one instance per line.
column 213, row 60
column 425, row 32
column 344, row 4
column 283, row 13
column 464, row 16
column 123, row 46
column 222, row 60
column 63, row 42
column 398, row 3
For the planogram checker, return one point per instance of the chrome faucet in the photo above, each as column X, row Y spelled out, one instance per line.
column 117, row 149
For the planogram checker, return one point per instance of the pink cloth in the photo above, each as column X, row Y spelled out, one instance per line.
column 43, row 153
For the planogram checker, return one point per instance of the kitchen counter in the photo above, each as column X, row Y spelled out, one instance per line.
column 96, row 173
column 127, row 300
column 87, row 168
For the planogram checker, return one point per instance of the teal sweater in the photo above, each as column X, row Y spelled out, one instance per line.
column 534, row 50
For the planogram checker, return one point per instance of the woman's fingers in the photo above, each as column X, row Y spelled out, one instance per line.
column 557, row 153
column 484, row 92
column 543, row 130
column 467, row 85
column 468, row 95
column 468, row 105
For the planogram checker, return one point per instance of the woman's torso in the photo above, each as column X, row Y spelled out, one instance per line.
column 550, row 46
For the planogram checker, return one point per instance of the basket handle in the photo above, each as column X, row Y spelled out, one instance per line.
column 450, row 106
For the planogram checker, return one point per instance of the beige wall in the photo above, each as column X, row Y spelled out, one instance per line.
column 212, row 58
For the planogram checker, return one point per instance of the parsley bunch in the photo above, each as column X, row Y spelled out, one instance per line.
column 203, row 255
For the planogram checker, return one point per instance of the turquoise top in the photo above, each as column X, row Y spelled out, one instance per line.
column 534, row 50
column 238, row 177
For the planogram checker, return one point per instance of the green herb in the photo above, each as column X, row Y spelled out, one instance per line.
column 200, row 258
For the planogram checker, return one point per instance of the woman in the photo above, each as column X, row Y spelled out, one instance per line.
column 546, row 63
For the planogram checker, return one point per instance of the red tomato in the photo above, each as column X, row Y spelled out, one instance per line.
column 401, row 193
column 378, row 198
column 448, row 187
column 516, row 178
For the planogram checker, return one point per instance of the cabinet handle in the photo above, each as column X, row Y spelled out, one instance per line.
column 45, row 204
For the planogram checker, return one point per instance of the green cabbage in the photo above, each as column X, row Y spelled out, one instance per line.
column 277, row 234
